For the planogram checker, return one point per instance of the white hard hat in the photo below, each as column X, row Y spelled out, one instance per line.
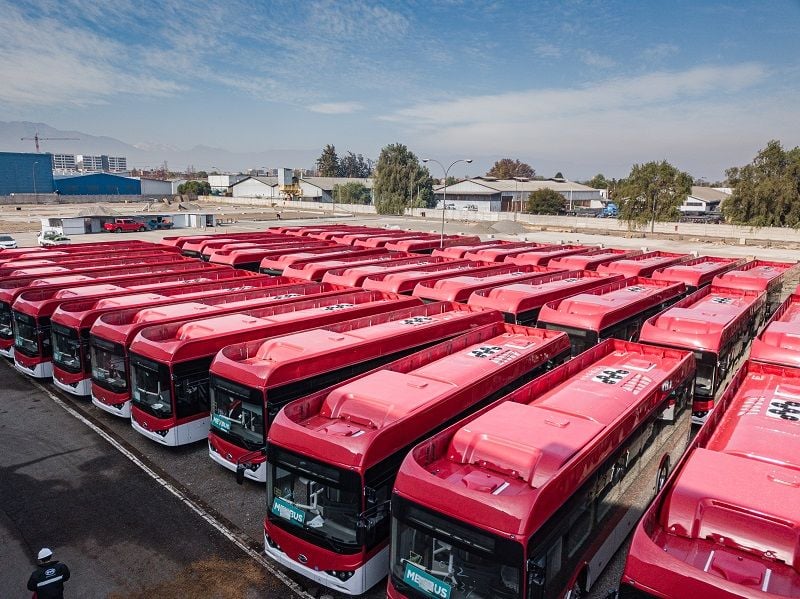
column 44, row 553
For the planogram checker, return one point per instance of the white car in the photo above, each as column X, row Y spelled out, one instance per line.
column 52, row 238
column 7, row 242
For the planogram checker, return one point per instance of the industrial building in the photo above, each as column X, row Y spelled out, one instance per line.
column 312, row 189
column 703, row 201
column 155, row 187
column 487, row 194
column 24, row 172
column 221, row 183
column 97, row 184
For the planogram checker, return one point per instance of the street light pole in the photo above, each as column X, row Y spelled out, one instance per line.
column 444, row 190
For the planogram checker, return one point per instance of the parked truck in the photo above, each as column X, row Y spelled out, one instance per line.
column 124, row 224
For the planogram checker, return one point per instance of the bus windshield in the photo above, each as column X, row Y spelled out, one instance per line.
column 108, row 365
column 26, row 335
column 434, row 557
column 704, row 381
column 237, row 413
column 6, row 331
column 150, row 387
column 321, row 500
column 579, row 339
column 66, row 348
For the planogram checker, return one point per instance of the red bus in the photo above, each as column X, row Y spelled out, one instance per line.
column 725, row 524
column 181, row 240
column 314, row 270
column 333, row 234
column 274, row 265
column 542, row 256
column 455, row 252
column 33, row 310
column 332, row 456
column 276, row 241
column 591, row 259
column 498, row 254
column 72, row 319
column 355, row 276
column 779, row 342
column 760, row 275
column 112, row 333
column 10, row 289
column 406, row 280
column 697, row 272
column 458, row 288
column 252, row 381
column 644, row 264
column 530, row 497
column 352, row 237
column 717, row 324
column 520, row 302
column 249, row 258
column 199, row 247
column 28, row 268
column 374, row 241
column 426, row 245
column 73, row 248
column 617, row 309
column 170, row 363
column 55, row 257
column 308, row 230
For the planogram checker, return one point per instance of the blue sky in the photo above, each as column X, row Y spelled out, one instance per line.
column 581, row 87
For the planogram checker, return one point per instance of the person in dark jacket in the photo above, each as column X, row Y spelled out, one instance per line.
column 47, row 581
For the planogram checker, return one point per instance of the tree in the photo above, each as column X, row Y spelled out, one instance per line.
column 399, row 178
column 652, row 192
column 766, row 192
column 545, row 201
column 507, row 168
column 451, row 180
column 352, row 165
column 328, row 162
column 196, row 188
column 598, row 181
column 351, row 193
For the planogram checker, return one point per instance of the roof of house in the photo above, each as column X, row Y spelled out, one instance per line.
column 708, row 194
column 328, row 183
column 520, row 184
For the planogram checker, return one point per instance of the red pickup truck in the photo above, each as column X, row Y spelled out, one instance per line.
column 124, row 224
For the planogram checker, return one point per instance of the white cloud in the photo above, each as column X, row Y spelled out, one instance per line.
column 659, row 51
column 336, row 107
column 546, row 50
column 593, row 59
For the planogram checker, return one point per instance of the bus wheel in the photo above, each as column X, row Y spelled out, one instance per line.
column 663, row 474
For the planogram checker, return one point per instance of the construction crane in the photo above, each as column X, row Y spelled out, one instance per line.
column 36, row 139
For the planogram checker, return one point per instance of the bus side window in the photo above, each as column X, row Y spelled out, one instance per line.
column 580, row 525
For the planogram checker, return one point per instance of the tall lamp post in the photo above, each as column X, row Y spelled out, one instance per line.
column 444, row 191
column 33, row 170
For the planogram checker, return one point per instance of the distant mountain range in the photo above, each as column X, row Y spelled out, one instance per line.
column 145, row 155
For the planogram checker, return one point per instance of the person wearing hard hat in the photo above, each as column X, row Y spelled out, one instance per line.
column 47, row 581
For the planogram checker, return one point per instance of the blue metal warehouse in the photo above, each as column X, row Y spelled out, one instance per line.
column 98, row 184
column 23, row 172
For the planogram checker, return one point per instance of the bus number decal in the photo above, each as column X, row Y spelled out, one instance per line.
column 422, row 581
column 785, row 410
column 416, row 321
column 722, row 300
column 484, row 351
column 637, row 288
column 287, row 511
column 608, row 376
column 571, row 280
column 338, row 307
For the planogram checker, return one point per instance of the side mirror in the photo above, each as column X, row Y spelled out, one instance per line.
column 240, row 474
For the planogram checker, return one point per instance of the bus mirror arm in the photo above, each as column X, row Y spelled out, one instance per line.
column 368, row 522
column 245, row 461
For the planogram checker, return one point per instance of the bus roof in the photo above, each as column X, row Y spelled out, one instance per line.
column 186, row 339
column 358, row 423
column 121, row 325
column 200, row 245
column 93, row 263
column 758, row 275
column 457, row 251
column 698, row 271
column 604, row 306
column 314, row 270
column 430, row 243
column 535, row 293
column 511, row 465
column 459, row 287
column 405, row 280
column 280, row 262
column 591, row 259
column 350, row 237
column 542, row 256
column 254, row 254
column 332, row 234
column 644, row 264
column 499, row 253
column 726, row 524
column 779, row 342
column 263, row 364
column 703, row 320
column 354, row 276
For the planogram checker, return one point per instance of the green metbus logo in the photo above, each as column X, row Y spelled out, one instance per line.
column 422, row 581
column 221, row 422
column 287, row 511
